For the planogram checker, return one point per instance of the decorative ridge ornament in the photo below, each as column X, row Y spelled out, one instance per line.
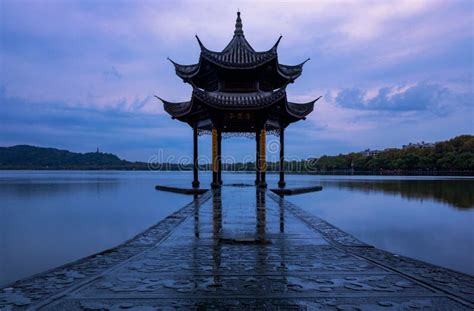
column 238, row 26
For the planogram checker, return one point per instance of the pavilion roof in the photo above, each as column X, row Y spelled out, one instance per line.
column 238, row 54
column 240, row 101
column 185, row 71
column 300, row 110
column 210, row 102
column 176, row 109
column 290, row 72
column 252, row 100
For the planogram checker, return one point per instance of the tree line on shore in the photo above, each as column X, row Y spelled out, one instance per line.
column 456, row 154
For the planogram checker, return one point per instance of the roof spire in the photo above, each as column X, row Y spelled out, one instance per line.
column 238, row 26
column 200, row 43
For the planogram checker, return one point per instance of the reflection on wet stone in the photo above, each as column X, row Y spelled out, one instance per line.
column 245, row 248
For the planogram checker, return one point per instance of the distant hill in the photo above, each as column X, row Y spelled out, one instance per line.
column 30, row 157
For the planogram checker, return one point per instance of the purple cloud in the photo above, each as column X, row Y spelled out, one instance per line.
column 422, row 96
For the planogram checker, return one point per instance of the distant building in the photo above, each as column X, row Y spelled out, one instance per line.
column 370, row 153
column 421, row 145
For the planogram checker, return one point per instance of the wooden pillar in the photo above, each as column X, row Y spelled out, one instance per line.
column 281, row 182
column 219, row 156
column 215, row 163
column 257, row 157
column 263, row 158
column 195, row 158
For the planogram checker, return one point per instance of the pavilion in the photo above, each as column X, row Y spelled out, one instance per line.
column 238, row 91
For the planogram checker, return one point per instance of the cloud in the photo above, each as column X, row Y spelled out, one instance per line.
column 419, row 97
column 333, row 128
column 58, row 50
column 56, row 124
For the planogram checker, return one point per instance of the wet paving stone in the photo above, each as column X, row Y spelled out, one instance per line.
column 272, row 286
column 325, row 303
column 240, row 248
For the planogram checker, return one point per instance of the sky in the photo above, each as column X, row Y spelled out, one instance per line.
column 82, row 75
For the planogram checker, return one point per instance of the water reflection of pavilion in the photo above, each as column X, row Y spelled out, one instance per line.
column 237, row 236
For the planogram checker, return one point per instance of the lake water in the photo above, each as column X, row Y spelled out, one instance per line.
column 48, row 218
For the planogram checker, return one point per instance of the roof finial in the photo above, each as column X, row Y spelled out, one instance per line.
column 238, row 26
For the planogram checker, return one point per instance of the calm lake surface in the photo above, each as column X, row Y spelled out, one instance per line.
column 49, row 218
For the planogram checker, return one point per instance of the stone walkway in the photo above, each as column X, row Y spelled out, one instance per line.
column 241, row 248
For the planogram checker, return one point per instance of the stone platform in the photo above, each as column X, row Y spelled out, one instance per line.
column 191, row 191
column 243, row 248
column 293, row 191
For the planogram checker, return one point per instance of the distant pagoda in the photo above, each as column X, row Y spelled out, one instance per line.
column 238, row 91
